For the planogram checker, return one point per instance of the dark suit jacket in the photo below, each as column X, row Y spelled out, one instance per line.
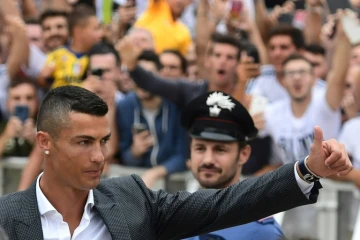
column 131, row 211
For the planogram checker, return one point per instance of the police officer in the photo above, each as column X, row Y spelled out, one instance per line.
column 220, row 127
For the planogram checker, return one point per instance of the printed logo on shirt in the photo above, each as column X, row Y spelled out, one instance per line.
column 296, row 149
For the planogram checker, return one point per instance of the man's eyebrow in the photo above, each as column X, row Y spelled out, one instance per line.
column 85, row 137
column 92, row 138
column 107, row 137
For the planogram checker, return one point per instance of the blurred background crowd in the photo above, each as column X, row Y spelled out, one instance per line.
column 293, row 64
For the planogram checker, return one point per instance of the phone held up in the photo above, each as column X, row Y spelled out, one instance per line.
column 236, row 7
column 21, row 112
column 139, row 127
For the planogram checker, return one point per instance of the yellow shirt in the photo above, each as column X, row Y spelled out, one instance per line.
column 167, row 33
column 70, row 68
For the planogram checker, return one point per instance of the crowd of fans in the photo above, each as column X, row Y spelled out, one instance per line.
column 291, row 64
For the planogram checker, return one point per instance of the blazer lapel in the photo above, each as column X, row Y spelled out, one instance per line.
column 28, row 221
column 112, row 215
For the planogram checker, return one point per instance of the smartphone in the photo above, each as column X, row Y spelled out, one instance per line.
column 252, row 51
column 139, row 127
column 351, row 28
column 21, row 112
column 258, row 104
column 334, row 5
column 236, row 8
column 299, row 4
column 286, row 18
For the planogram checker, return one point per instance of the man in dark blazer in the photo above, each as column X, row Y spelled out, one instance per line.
column 68, row 201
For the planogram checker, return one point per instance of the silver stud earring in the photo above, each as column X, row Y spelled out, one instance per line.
column 47, row 152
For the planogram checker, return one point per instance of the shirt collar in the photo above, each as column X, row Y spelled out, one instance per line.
column 46, row 207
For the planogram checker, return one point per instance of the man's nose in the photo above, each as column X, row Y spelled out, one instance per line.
column 208, row 157
column 23, row 102
column 98, row 154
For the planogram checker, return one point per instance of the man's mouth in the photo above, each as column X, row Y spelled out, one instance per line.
column 297, row 87
column 221, row 72
column 55, row 38
column 209, row 170
column 94, row 173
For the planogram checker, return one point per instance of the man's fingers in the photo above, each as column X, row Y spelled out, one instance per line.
column 318, row 139
column 252, row 67
column 344, row 172
column 338, row 165
column 333, row 158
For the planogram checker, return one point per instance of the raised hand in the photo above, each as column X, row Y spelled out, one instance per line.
column 329, row 157
column 129, row 52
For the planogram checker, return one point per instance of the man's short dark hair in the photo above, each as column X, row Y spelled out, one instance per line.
column 49, row 13
column 59, row 102
column 102, row 48
column 80, row 16
column 150, row 56
column 315, row 49
column 294, row 57
column 19, row 81
column 218, row 38
column 183, row 61
column 294, row 33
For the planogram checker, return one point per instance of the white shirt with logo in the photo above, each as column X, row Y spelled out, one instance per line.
column 295, row 135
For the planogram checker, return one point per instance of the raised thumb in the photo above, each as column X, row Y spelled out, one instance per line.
column 318, row 139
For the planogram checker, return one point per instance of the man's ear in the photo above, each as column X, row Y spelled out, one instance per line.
column 44, row 141
column 244, row 154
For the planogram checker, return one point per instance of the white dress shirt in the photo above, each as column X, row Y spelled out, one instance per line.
column 54, row 228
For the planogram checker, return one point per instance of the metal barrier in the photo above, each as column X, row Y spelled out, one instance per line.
column 327, row 205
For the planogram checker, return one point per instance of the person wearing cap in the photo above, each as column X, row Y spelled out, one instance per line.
column 68, row 200
column 219, row 149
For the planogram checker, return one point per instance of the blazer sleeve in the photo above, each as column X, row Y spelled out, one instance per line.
column 173, row 90
column 184, row 215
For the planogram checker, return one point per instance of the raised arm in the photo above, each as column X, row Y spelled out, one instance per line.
column 314, row 12
column 15, row 26
column 262, row 19
column 29, row 8
column 208, row 16
column 183, row 215
column 19, row 49
column 174, row 90
column 337, row 76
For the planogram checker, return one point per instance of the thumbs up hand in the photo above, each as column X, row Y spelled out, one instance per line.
column 328, row 157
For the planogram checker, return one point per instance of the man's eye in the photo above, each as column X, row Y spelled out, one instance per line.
column 104, row 141
column 85, row 142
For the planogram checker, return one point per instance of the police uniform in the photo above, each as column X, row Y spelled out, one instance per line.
column 219, row 117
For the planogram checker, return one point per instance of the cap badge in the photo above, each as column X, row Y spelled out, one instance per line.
column 218, row 101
